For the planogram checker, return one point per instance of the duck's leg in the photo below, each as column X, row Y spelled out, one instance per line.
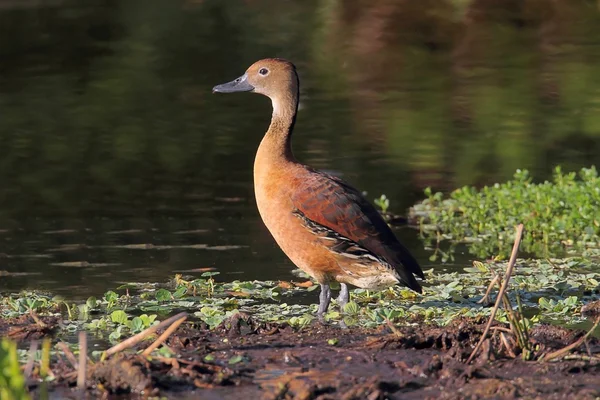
column 344, row 296
column 324, row 300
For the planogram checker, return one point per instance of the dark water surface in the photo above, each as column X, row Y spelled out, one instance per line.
column 118, row 164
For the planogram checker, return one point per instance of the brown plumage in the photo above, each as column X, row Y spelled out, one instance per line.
column 326, row 227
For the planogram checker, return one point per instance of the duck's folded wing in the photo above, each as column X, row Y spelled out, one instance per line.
column 331, row 202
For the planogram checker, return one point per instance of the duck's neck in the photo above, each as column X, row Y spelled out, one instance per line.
column 277, row 143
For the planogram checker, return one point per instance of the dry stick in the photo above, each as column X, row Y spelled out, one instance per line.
column 489, row 289
column 132, row 341
column 509, row 269
column 393, row 328
column 506, row 345
column 164, row 336
column 82, row 360
column 37, row 319
column 564, row 350
column 69, row 354
column 501, row 329
column 30, row 359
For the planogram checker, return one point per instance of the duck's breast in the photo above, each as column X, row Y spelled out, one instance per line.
column 275, row 185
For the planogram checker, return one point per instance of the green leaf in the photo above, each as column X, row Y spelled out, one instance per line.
column 235, row 359
column 111, row 296
column 180, row 292
column 91, row 302
column 351, row 308
column 147, row 320
column 163, row 295
column 118, row 317
column 137, row 325
column 115, row 335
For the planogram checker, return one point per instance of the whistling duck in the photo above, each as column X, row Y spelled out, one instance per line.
column 325, row 226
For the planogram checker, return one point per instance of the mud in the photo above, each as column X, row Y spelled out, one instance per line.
column 28, row 327
column 246, row 359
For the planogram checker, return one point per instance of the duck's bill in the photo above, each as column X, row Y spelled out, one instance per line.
column 238, row 85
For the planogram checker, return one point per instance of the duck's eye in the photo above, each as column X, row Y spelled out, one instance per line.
column 263, row 71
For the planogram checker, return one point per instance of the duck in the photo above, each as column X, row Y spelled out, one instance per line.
column 325, row 226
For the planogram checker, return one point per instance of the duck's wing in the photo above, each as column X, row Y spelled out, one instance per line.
column 331, row 202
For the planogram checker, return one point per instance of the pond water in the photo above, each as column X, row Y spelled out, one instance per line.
column 118, row 164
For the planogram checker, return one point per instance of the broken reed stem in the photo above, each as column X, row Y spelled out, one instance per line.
column 132, row 341
column 164, row 336
column 507, row 345
column 30, row 358
column 69, row 354
column 37, row 319
column 81, row 371
column 565, row 350
column 395, row 330
column 486, row 296
column 509, row 269
column 501, row 329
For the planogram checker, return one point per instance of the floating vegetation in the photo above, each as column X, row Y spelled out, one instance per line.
column 551, row 290
column 560, row 215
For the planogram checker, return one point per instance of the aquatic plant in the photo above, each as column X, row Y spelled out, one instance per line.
column 382, row 202
column 550, row 290
column 558, row 216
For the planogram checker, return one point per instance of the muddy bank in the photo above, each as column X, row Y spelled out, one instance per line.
column 243, row 358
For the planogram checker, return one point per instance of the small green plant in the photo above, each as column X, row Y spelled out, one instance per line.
column 561, row 306
column 301, row 321
column 12, row 381
column 236, row 359
column 558, row 215
column 382, row 202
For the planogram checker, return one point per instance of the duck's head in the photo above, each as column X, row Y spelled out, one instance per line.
column 272, row 77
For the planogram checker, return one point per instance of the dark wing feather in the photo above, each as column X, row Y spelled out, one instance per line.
column 333, row 203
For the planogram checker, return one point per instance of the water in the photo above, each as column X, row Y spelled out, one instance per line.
column 110, row 135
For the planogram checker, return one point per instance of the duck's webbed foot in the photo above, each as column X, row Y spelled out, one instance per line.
column 324, row 300
column 344, row 296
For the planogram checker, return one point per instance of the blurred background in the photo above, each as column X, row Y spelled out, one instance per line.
column 118, row 164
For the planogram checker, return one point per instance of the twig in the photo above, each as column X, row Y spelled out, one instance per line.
column 486, row 296
column 565, row 350
column 509, row 269
column 501, row 329
column 37, row 319
column 165, row 335
column 132, row 341
column 30, row 359
column 81, row 371
column 69, row 354
column 578, row 357
column 395, row 330
column 511, row 353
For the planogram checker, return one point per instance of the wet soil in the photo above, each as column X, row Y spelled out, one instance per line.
column 246, row 359
column 28, row 327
